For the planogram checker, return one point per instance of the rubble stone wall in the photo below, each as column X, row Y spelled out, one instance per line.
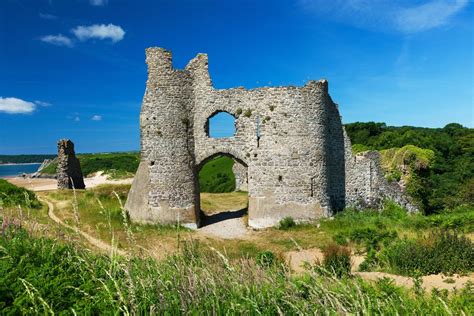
column 291, row 140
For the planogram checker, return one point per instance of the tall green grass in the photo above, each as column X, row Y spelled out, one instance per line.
column 40, row 276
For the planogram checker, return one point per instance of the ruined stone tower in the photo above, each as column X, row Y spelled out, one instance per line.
column 69, row 171
column 290, row 139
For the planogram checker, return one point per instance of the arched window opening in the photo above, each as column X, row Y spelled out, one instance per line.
column 223, row 185
column 220, row 125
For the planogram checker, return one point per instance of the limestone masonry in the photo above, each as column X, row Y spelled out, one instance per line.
column 69, row 171
column 289, row 141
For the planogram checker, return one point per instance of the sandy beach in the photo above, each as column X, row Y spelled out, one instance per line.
column 39, row 184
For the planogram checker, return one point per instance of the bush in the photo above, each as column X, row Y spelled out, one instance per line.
column 287, row 223
column 440, row 252
column 337, row 259
column 265, row 258
column 372, row 238
column 12, row 196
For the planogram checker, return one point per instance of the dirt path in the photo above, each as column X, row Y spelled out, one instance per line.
column 92, row 240
column 298, row 261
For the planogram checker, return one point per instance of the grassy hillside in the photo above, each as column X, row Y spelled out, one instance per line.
column 216, row 175
column 438, row 162
column 13, row 196
column 116, row 165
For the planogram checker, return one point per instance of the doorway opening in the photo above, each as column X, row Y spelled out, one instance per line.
column 222, row 188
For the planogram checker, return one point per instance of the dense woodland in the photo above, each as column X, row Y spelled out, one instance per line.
column 445, row 177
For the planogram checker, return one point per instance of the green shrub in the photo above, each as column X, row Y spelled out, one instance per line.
column 440, row 252
column 287, row 223
column 12, row 196
column 337, row 259
column 265, row 258
column 372, row 238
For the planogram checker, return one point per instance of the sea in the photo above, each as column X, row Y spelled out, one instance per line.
column 18, row 169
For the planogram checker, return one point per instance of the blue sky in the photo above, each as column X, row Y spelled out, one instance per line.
column 75, row 68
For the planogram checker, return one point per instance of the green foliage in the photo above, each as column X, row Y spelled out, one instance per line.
column 287, row 223
column 118, row 164
column 358, row 148
column 440, row 252
column 13, row 196
column 24, row 158
column 441, row 160
column 265, row 258
column 41, row 276
column 337, row 259
column 248, row 113
column 216, row 176
column 115, row 165
column 50, row 168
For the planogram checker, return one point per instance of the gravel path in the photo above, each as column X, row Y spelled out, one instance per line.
column 232, row 227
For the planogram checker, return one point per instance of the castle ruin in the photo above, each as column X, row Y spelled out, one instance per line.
column 289, row 139
column 69, row 171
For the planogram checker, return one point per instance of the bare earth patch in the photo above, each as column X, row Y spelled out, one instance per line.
column 429, row 281
column 300, row 259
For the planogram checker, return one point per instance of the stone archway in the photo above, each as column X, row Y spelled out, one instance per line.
column 221, row 205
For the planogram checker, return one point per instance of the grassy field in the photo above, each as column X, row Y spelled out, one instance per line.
column 216, row 175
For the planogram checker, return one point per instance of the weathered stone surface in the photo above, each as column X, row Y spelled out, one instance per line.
column 366, row 185
column 290, row 140
column 240, row 173
column 69, row 173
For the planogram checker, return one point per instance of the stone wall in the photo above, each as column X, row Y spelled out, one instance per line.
column 290, row 139
column 240, row 173
column 69, row 173
column 366, row 186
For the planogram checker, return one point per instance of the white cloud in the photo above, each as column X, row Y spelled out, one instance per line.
column 59, row 40
column 47, row 16
column 96, row 118
column 16, row 106
column 427, row 16
column 383, row 15
column 98, row 3
column 99, row 31
column 42, row 103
